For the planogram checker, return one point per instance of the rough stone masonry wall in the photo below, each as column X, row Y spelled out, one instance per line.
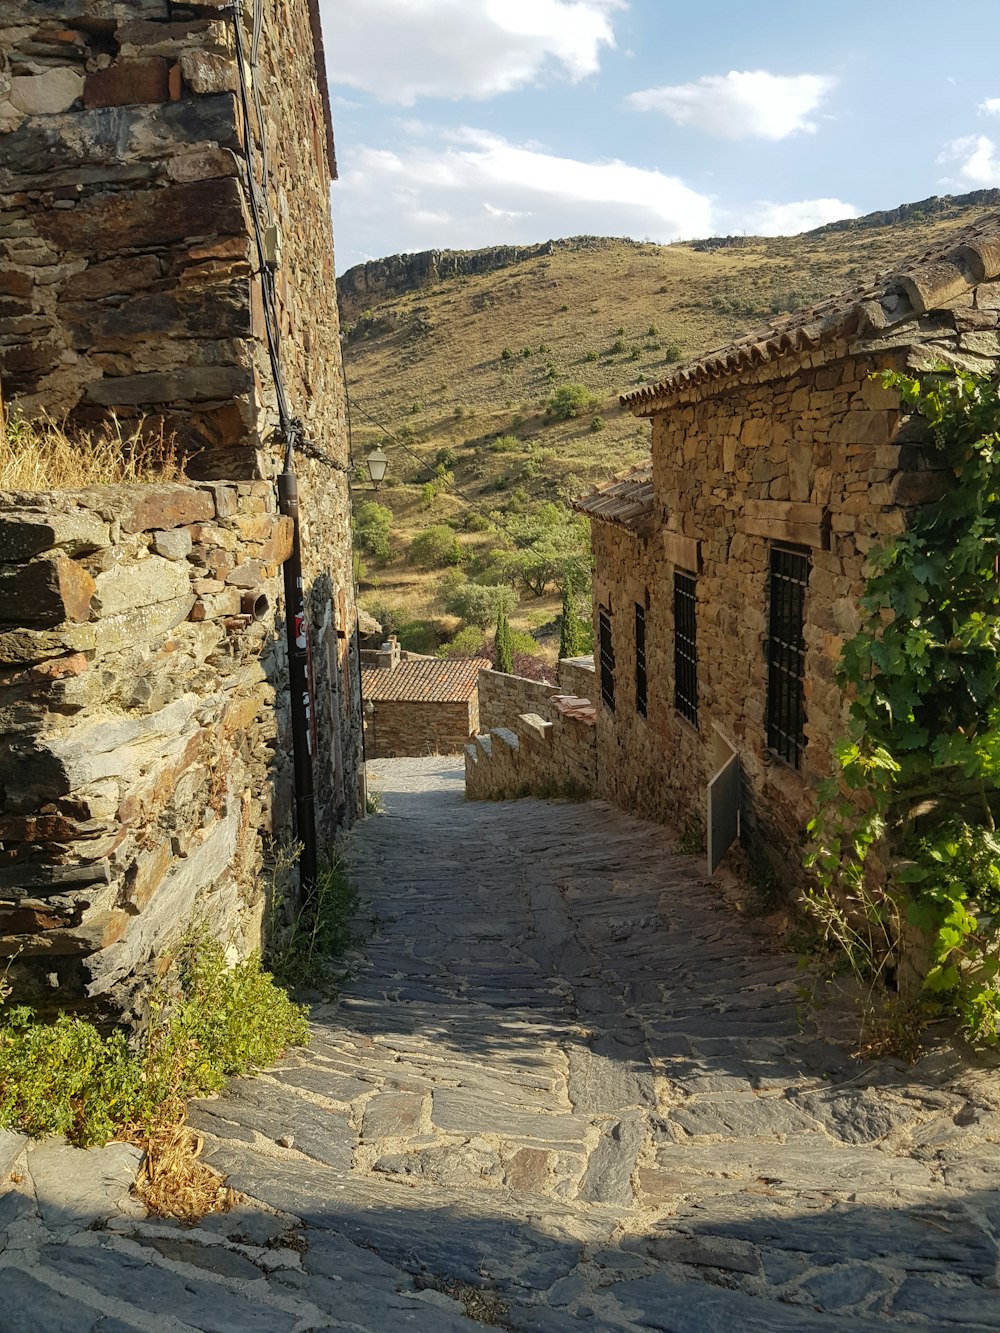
column 129, row 276
column 143, row 739
column 502, row 697
column 526, row 745
column 400, row 728
column 820, row 458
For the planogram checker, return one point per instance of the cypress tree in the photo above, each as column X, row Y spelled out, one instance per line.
column 505, row 644
column 571, row 636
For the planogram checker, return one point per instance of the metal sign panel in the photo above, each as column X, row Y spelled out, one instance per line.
column 723, row 810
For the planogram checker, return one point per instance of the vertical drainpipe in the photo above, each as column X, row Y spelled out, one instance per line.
column 298, row 681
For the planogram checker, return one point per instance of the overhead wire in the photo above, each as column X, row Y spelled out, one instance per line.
column 489, row 515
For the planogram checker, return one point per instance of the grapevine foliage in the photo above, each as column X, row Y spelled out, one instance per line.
column 919, row 771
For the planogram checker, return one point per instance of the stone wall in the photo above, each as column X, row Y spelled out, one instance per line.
column 818, row 456
column 405, row 728
column 144, row 746
column 503, row 697
column 130, row 276
column 575, row 675
column 535, row 739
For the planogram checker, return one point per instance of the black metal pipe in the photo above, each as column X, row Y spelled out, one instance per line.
column 299, row 685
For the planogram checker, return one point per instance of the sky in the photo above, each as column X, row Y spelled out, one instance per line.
column 467, row 123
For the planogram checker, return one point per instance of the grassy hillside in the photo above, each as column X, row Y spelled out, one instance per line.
column 449, row 367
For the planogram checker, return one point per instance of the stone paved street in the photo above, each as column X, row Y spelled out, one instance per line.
column 564, row 1075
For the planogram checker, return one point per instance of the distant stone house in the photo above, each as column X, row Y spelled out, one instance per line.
column 419, row 706
column 728, row 570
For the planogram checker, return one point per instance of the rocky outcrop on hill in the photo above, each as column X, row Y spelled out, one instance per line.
column 380, row 279
column 919, row 211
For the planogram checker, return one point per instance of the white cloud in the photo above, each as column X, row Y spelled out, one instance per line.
column 978, row 162
column 401, row 50
column 748, row 104
column 768, row 219
column 473, row 188
column 991, row 107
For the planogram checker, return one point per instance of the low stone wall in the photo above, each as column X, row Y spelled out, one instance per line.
column 400, row 728
column 144, row 751
column 575, row 675
column 503, row 697
column 535, row 739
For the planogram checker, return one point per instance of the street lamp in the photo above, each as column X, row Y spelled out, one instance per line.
column 377, row 464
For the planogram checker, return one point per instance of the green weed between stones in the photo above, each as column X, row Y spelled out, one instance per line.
column 208, row 1022
column 304, row 942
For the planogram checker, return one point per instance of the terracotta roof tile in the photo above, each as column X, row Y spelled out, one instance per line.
column 433, row 680
column 919, row 284
column 627, row 501
column 571, row 705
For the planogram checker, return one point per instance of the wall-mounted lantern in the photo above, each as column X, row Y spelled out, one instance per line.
column 376, row 463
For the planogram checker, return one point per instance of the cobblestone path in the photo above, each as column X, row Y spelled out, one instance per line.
column 566, row 1077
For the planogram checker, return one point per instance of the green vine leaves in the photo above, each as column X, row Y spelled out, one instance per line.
column 918, row 773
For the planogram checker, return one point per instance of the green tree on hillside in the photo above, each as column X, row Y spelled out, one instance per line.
column 372, row 525
column 569, row 401
column 475, row 603
column 572, row 631
column 505, row 644
column 435, row 547
column 550, row 545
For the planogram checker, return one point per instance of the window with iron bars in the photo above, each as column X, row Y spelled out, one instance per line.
column 685, row 647
column 607, row 658
column 786, row 653
column 640, row 659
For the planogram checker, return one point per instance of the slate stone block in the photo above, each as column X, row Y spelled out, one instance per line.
column 30, row 1305
column 161, row 507
column 25, row 535
column 45, row 592
column 126, row 83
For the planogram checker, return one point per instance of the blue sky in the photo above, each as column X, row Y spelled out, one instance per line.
column 465, row 123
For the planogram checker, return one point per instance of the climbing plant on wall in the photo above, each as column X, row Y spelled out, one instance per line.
column 919, row 772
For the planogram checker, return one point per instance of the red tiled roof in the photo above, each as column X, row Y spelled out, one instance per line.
column 433, row 680
column 628, row 500
column 919, row 284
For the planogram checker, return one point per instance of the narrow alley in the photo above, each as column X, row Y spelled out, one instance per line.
column 569, row 1089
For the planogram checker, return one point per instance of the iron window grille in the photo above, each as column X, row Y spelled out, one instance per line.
column 640, row 659
column 685, row 647
column 607, row 655
column 786, row 652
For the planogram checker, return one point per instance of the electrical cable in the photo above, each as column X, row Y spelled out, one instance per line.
column 300, row 683
column 472, row 504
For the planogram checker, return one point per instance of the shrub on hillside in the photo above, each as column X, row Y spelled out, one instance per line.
column 569, row 401
column 435, row 548
column 527, row 664
column 476, row 603
column 468, row 642
column 372, row 525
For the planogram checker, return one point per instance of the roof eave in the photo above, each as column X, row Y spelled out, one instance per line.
column 316, row 24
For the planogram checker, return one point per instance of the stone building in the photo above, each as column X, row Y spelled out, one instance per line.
column 423, row 705
column 166, row 256
column 728, row 570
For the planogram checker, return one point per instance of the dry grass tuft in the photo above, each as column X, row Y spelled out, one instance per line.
column 44, row 455
column 175, row 1182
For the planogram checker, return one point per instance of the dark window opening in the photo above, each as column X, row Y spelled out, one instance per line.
column 786, row 652
column 685, row 647
column 640, row 658
column 607, row 652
